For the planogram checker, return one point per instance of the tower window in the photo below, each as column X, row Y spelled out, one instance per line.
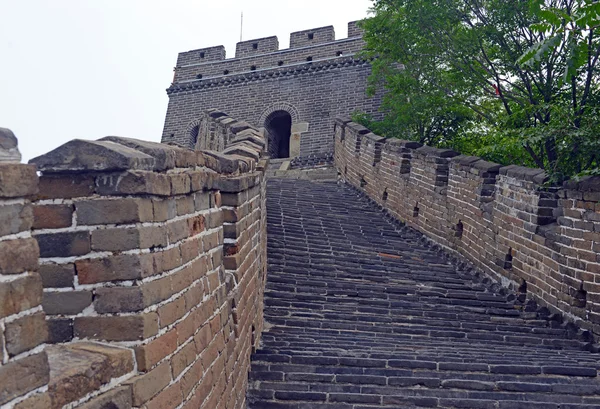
column 225, row 72
column 311, row 36
column 339, row 53
column 202, row 54
column 253, row 68
column 309, row 59
column 199, row 76
column 280, row 63
column 255, row 46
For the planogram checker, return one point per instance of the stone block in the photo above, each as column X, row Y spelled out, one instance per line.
column 150, row 354
column 119, row 211
column 52, row 216
column 65, row 244
column 17, row 180
column 119, row 398
column 38, row 401
column 18, row 256
column 145, row 387
column 164, row 154
column 22, row 376
column 25, row 333
column 57, row 275
column 66, row 303
column 20, row 295
column 134, row 183
column 66, row 186
column 9, row 149
column 115, row 268
column 15, row 218
column 118, row 299
column 96, row 156
column 117, row 328
column 60, row 330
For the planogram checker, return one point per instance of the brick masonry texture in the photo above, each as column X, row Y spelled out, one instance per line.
column 151, row 290
column 537, row 240
column 260, row 81
column 23, row 331
column 363, row 313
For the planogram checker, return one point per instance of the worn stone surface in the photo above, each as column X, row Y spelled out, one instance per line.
column 25, row 333
column 22, row 376
column 363, row 315
column 119, row 398
column 17, row 180
column 9, row 149
column 80, row 369
column 18, row 256
column 15, row 218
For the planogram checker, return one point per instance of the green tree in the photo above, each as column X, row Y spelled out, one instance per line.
column 462, row 83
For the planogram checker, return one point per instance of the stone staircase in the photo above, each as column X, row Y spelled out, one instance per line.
column 361, row 314
column 304, row 169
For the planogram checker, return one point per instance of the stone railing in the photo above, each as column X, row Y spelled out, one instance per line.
column 542, row 242
column 152, row 260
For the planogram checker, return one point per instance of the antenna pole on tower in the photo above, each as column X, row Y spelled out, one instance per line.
column 242, row 27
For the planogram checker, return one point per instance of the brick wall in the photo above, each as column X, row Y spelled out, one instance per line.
column 543, row 242
column 310, row 81
column 23, row 332
column 152, row 260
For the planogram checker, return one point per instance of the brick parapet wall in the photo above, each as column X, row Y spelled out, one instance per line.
column 153, row 262
column 261, row 47
column 540, row 241
column 23, row 332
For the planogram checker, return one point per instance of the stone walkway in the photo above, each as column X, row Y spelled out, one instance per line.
column 362, row 315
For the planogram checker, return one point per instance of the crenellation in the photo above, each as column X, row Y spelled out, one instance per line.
column 504, row 219
column 201, row 56
column 256, row 47
column 313, row 36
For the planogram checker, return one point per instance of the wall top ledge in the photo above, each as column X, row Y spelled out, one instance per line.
column 585, row 184
column 99, row 156
column 440, row 153
column 521, row 172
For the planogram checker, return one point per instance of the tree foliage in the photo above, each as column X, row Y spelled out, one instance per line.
column 513, row 81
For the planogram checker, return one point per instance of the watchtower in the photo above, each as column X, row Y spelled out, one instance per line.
column 292, row 95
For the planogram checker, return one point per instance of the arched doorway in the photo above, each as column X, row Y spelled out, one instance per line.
column 278, row 126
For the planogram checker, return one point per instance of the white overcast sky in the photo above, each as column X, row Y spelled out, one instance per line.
column 91, row 68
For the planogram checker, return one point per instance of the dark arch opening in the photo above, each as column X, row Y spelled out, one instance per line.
column 279, row 130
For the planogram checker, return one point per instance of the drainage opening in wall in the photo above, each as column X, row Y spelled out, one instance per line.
column 416, row 210
column 580, row 297
column 363, row 182
column 385, row 195
column 278, row 126
column 508, row 260
column 458, row 230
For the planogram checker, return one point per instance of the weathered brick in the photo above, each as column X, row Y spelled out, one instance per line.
column 57, row 275
column 18, row 256
column 15, row 218
column 150, row 354
column 182, row 359
column 38, row 401
column 59, row 330
column 18, row 180
column 20, row 295
column 66, row 303
column 66, row 244
column 169, row 398
column 145, row 387
column 65, row 186
column 116, row 211
column 117, row 328
column 22, row 376
column 119, row 398
column 51, row 216
column 134, row 183
column 25, row 333
column 118, row 299
column 115, row 268
column 171, row 311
